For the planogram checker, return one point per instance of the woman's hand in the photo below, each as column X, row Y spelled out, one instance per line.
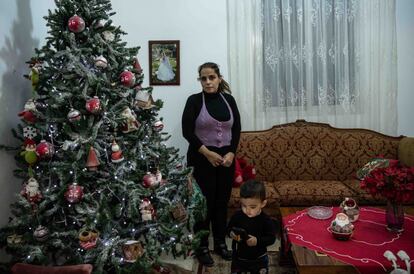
column 214, row 158
column 228, row 159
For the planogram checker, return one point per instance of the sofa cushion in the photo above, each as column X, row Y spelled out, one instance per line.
column 405, row 149
column 311, row 192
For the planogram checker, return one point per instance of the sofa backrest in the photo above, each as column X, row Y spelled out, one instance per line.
column 313, row 151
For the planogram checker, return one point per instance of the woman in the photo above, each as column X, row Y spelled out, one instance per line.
column 211, row 125
column 165, row 71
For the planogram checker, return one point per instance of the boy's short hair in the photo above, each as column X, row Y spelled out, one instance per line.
column 253, row 189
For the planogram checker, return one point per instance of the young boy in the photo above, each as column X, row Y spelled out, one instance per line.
column 251, row 230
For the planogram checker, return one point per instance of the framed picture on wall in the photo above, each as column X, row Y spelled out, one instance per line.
column 164, row 62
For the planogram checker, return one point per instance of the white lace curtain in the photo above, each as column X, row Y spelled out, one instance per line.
column 320, row 60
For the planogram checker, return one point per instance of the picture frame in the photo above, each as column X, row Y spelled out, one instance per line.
column 164, row 62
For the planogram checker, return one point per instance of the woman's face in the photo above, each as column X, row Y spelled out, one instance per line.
column 209, row 80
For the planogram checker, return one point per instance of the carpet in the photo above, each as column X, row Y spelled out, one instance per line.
column 223, row 267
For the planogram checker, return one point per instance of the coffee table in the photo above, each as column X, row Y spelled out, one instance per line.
column 307, row 261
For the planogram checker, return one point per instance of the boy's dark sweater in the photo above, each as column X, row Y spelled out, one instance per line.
column 261, row 226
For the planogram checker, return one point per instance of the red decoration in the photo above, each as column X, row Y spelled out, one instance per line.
column 127, row 78
column 76, row 24
column 28, row 113
column 74, row 193
column 243, row 172
column 28, row 116
column 93, row 105
column 158, row 126
column 92, row 162
column 150, row 180
column 137, row 65
column 45, row 149
column 116, row 155
column 394, row 182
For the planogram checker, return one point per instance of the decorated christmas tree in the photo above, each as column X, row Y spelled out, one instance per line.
column 99, row 185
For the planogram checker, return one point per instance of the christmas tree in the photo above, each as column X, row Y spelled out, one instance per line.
column 99, row 185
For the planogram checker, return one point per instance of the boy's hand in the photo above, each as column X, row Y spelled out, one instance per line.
column 235, row 237
column 252, row 241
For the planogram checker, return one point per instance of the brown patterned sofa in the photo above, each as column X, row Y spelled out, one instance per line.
column 305, row 163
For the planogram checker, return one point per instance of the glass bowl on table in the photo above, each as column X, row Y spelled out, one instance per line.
column 320, row 212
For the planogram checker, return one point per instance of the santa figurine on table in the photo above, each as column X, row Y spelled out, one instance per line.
column 342, row 224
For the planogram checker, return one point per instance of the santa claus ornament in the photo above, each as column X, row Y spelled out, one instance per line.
column 28, row 113
column 76, row 24
column 116, row 155
column 127, row 78
column 74, row 193
column 130, row 121
column 93, row 105
column 147, row 210
column 45, row 150
column 31, row 191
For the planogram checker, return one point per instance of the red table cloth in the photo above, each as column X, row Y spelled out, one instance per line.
column 365, row 250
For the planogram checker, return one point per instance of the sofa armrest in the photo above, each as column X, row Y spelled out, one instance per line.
column 406, row 151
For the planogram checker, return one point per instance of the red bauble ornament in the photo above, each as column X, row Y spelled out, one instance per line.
column 76, row 24
column 127, row 78
column 150, row 180
column 93, row 105
column 45, row 149
column 74, row 193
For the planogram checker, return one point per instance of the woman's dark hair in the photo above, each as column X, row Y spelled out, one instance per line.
column 253, row 189
column 223, row 86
